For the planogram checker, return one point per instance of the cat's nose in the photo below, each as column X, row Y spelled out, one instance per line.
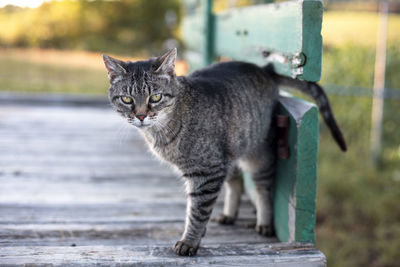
column 141, row 117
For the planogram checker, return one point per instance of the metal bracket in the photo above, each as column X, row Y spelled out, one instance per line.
column 283, row 136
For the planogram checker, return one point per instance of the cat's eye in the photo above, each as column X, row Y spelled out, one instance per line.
column 155, row 98
column 127, row 99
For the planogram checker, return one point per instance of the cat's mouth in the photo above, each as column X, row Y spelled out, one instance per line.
column 141, row 124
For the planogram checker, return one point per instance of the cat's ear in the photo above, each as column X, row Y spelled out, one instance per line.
column 166, row 63
column 115, row 67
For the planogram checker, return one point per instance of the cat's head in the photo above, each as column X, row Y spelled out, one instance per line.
column 143, row 92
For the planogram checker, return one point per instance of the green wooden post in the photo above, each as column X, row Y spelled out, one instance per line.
column 208, row 52
column 198, row 33
column 296, row 185
column 296, row 177
column 311, row 40
column 258, row 2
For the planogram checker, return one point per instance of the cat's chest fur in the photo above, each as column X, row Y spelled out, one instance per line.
column 165, row 146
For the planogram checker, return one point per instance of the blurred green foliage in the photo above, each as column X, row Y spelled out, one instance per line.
column 358, row 214
column 124, row 26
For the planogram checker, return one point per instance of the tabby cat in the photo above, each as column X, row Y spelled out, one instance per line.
column 210, row 125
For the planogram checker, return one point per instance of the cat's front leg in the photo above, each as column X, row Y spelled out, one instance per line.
column 202, row 193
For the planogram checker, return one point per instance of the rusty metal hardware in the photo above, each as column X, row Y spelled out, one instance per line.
column 283, row 136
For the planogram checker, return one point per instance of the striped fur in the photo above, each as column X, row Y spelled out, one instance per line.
column 209, row 125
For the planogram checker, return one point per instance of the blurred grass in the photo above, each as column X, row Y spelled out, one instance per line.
column 56, row 71
column 50, row 71
column 343, row 27
column 358, row 214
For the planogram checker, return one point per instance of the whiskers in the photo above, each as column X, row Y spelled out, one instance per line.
column 130, row 121
column 159, row 130
column 165, row 133
column 166, row 127
column 122, row 133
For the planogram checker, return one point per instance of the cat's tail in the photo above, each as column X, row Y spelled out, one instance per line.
column 318, row 94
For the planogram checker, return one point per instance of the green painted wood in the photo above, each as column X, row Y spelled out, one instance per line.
column 193, row 31
column 262, row 34
column 208, row 48
column 296, row 184
column 257, row 2
column 193, row 34
column 312, row 40
column 296, row 178
column 286, row 34
column 306, row 183
column 198, row 33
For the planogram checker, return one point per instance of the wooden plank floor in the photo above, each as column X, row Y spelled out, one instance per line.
column 79, row 187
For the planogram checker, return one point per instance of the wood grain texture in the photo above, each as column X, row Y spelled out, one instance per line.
column 162, row 255
column 80, row 188
column 312, row 40
column 295, row 191
column 287, row 34
column 306, row 183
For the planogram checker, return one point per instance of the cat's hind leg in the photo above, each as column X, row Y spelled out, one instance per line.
column 262, row 170
column 233, row 193
column 263, row 180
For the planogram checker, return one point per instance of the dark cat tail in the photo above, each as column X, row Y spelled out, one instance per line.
column 318, row 94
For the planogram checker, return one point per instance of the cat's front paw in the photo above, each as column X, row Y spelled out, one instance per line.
column 225, row 220
column 183, row 249
column 265, row 230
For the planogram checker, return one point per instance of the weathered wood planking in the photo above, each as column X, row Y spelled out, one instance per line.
column 279, row 255
column 80, row 188
column 286, row 34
